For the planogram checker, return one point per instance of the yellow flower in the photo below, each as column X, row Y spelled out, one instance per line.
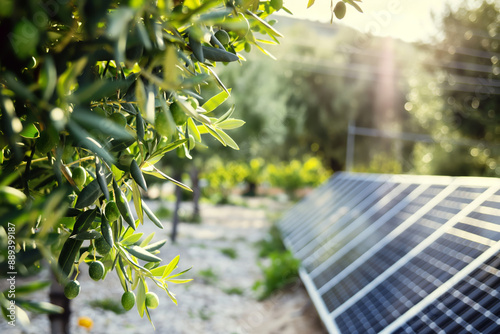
column 85, row 322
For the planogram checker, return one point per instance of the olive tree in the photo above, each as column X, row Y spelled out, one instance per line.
column 93, row 94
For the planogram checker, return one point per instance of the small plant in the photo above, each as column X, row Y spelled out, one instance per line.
column 283, row 267
column 204, row 314
column 294, row 175
column 109, row 304
column 234, row 291
column 281, row 272
column 271, row 243
column 163, row 212
column 189, row 218
column 229, row 252
column 208, row 276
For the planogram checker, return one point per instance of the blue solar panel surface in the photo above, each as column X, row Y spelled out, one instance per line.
column 402, row 254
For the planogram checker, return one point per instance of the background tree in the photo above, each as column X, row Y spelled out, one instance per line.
column 457, row 99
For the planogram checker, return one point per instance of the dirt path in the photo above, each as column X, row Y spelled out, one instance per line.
column 219, row 300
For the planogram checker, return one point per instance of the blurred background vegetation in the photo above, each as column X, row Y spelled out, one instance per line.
column 337, row 99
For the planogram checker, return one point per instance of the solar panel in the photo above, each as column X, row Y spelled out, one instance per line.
column 472, row 305
column 402, row 254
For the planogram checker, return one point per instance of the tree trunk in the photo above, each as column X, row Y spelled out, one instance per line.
column 251, row 189
column 59, row 322
column 195, row 181
column 178, row 200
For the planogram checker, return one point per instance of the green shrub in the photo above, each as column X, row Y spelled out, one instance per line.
column 281, row 272
column 271, row 243
column 163, row 212
column 209, row 276
column 234, row 291
column 381, row 163
column 222, row 178
column 296, row 175
column 229, row 252
column 282, row 269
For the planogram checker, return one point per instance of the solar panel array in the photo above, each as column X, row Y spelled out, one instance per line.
column 400, row 253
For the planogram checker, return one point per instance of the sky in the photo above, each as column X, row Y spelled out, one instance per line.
column 409, row 20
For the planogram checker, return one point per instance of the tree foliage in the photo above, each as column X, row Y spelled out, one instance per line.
column 457, row 98
column 109, row 86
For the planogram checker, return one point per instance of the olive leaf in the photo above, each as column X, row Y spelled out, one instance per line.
column 122, row 204
column 142, row 254
column 71, row 247
column 136, row 173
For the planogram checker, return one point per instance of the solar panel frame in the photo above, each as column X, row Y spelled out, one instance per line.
column 463, row 224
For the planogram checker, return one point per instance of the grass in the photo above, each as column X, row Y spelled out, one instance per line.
column 234, row 291
column 204, row 314
column 208, row 276
column 163, row 213
column 189, row 218
column 271, row 243
column 282, row 269
column 280, row 273
column 229, row 252
column 108, row 304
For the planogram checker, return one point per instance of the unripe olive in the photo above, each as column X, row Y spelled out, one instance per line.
column 340, row 10
column 111, row 211
column 128, row 300
column 96, row 270
column 72, row 289
column 79, row 175
column 222, row 36
column 102, row 246
column 152, row 300
column 178, row 113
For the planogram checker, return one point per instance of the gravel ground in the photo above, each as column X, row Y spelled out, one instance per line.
column 205, row 304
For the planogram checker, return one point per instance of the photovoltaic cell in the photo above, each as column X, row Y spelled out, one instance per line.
column 308, row 219
column 412, row 254
column 364, row 241
column 360, row 191
column 350, row 226
column 471, row 306
column 409, row 285
column 392, row 252
column 354, row 249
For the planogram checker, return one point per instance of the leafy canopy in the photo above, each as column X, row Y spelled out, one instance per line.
column 111, row 87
